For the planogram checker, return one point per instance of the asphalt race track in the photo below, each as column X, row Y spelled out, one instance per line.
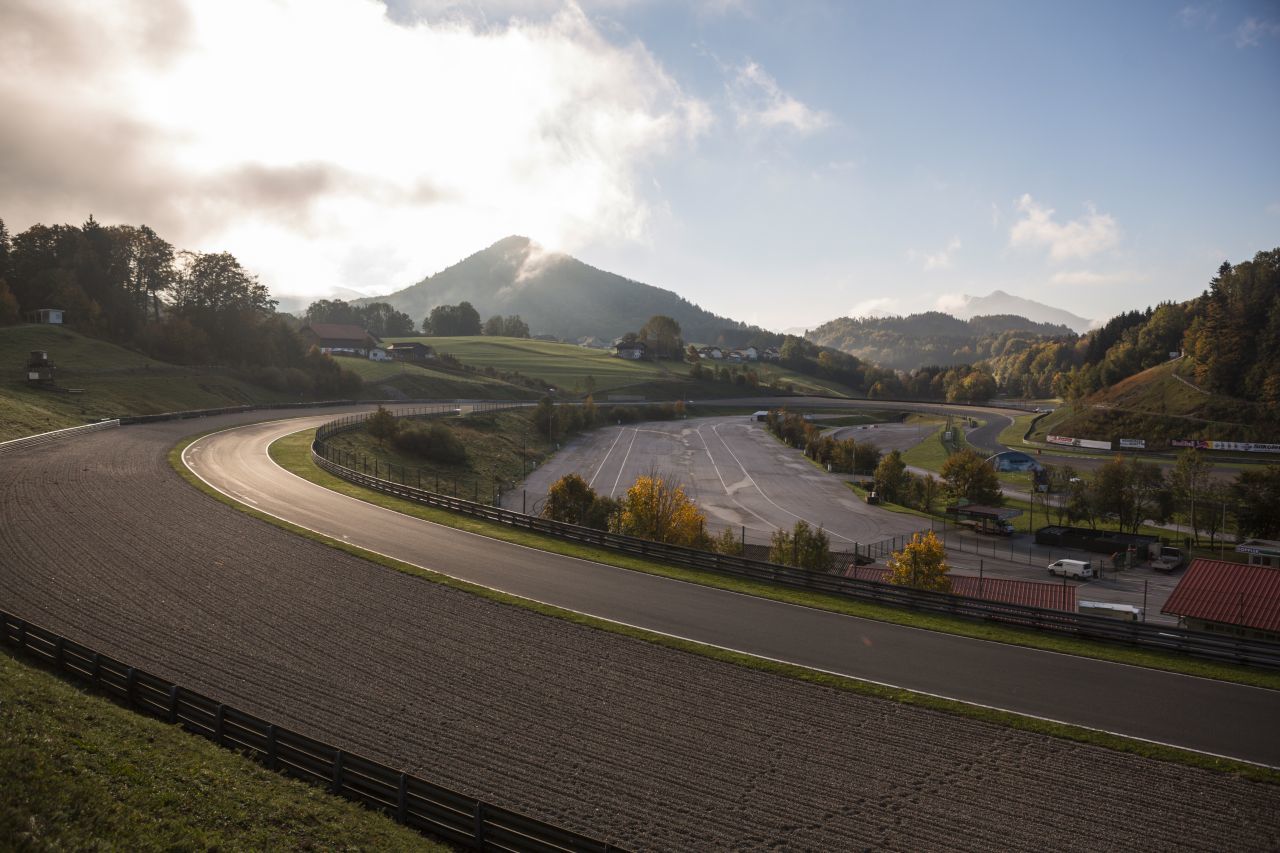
column 648, row 747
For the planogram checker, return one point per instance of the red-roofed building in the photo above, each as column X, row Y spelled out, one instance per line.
column 1050, row 596
column 340, row 338
column 1228, row 598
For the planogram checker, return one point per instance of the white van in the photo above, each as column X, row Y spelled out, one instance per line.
column 1072, row 568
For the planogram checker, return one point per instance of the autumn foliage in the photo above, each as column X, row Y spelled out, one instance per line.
column 921, row 564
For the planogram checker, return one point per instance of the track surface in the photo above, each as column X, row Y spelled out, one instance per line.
column 652, row 748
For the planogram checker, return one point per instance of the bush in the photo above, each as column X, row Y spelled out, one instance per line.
column 435, row 442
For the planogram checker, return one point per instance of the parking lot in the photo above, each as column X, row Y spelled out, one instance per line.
column 745, row 480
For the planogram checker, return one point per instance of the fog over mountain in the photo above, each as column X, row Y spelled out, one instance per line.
column 998, row 302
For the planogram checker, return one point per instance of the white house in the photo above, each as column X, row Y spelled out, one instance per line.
column 46, row 315
column 751, row 354
column 378, row 354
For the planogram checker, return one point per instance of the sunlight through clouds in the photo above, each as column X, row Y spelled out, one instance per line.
column 301, row 132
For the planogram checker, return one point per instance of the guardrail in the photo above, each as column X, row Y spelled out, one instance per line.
column 1181, row 640
column 409, row 800
column 56, row 435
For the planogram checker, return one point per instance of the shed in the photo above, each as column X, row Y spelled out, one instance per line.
column 1237, row 599
column 1262, row 552
column 46, row 315
column 410, row 351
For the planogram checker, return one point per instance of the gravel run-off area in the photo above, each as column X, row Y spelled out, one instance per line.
column 650, row 748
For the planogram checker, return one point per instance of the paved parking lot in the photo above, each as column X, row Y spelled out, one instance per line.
column 746, row 480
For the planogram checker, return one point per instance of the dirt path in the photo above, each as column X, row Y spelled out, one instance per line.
column 651, row 748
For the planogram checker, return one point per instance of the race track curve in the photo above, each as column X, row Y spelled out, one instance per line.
column 648, row 747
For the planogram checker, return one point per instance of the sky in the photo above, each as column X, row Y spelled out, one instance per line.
column 781, row 163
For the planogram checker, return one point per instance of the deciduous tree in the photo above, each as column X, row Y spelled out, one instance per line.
column 656, row 509
column 970, row 478
column 921, row 564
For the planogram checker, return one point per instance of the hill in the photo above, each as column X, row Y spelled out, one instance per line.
column 1158, row 405
column 999, row 302
column 558, row 295
column 117, row 381
column 931, row 338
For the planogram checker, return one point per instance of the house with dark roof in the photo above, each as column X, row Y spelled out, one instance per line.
column 340, row 338
column 1235, row 599
column 633, row 351
column 411, row 351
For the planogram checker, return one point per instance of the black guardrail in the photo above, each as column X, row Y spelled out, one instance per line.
column 1181, row 640
column 410, row 800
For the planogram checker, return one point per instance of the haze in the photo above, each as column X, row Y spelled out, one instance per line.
column 779, row 163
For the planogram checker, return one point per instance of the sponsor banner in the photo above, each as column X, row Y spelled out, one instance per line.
column 1239, row 446
column 1067, row 441
column 1134, row 443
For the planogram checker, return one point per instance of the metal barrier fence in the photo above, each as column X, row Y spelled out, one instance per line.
column 1199, row 644
column 409, row 800
column 56, row 435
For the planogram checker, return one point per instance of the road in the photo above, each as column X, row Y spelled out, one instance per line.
column 1147, row 704
column 651, row 748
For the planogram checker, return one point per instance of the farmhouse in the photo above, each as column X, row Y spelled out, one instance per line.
column 711, row 352
column 339, row 338
column 411, row 351
column 631, row 351
column 1228, row 598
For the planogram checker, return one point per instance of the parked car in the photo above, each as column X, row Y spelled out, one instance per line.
column 1071, row 568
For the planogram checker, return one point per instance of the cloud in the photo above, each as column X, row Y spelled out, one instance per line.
column 1253, row 31
column 1196, row 16
column 1088, row 278
column 940, row 260
column 1079, row 238
column 308, row 136
column 757, row 100
column 879, row 306
column 952, row 303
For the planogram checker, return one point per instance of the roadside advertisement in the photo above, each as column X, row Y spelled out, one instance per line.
column 1067, row 441
column 1238, row 446
column 1133, row 443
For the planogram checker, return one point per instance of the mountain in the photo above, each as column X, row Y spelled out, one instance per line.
column 931, row 338
column 558, row 295
column 999, row 302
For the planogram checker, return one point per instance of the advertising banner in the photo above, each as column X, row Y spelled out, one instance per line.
column 1133, row 443
column 1239, row 446
column 1067, row 441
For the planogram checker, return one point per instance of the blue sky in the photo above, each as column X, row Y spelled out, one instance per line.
column 782, row 163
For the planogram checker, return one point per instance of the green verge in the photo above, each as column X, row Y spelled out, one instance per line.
column 293, row 453
column 82, row 773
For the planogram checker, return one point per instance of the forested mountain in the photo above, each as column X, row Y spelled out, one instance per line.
column 559, row 295
column 931, row 338
column 1229, row 336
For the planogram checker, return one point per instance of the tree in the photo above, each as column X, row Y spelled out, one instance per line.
column 658, row 510
column 1256, row 492
column 459, row 320
column 1186, row 482
column 382, row 425
column 569, row 500
column 970, row 478
column 727, row 543
column 921, row 564
column 661, row 335
column 804, row 547
column 334, row 311
column 890, row 477
column 221, row 299
column 383, row 320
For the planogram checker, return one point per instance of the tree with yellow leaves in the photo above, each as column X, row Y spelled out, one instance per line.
column 921, row 564
column 661, row 511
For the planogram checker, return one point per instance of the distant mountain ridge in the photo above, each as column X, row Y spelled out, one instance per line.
column 558, row 295
column 930, row 338
column 998, row 302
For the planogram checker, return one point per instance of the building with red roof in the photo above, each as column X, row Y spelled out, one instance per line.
column 340, row 338
column 1228, row 598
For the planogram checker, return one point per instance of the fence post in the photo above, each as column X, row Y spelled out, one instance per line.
column 479, row 825
column 218, row 718
column 402, row 799
column 337, row 773
column 59, row 653
column 173, row 703
column 129, row 681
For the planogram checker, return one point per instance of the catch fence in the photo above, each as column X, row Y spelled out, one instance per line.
column 409, row 800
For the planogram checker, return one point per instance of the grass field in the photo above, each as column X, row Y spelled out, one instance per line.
column 930, row 453
column 81, row 773
column 567, row 367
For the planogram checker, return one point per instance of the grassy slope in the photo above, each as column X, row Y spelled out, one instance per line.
column 82, row 773
column 498, row 446
column 117, row 381
column 1155, row 404
column 567, row 366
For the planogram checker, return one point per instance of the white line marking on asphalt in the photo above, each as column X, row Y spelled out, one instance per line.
column 623, row 466
column 600, row 467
